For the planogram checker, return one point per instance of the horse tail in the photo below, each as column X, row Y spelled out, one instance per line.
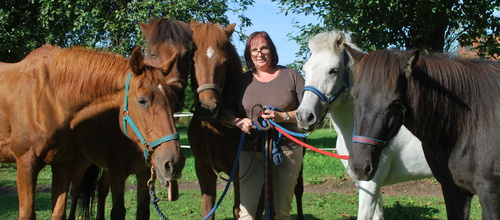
column 89, row 189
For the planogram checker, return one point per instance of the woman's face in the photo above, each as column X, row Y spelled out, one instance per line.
column 260, row 53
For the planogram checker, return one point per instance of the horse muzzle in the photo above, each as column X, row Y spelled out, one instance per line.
column 169, row 167
column 364, row 160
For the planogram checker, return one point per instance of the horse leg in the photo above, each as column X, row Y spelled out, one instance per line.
column 117, row 181
column 61, row 179
column 142, row 195
column 457, row 201
column 369, row 206
column 208, row 185
column 27, row 174
column 299, row 192
column 102, row 193
column 76, row 186
column 236, row 204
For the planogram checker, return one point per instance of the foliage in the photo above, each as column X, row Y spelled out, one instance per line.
column 28, row 24
column 431, row 25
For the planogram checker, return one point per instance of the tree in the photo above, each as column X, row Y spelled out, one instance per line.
column 430, row 25
column 28, row 24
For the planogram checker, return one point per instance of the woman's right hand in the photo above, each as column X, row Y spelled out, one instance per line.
column 245, row 124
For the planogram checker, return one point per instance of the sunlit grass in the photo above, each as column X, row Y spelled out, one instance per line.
column 317, row 169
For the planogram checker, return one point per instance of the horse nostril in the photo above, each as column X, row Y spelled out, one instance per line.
column 368, row 168
column 169, row 167
column 311, row 118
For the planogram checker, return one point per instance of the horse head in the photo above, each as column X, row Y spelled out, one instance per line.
column 379, row 97
column 327, row 78
column 147, row 116
column 211, row 58
column 164, row 39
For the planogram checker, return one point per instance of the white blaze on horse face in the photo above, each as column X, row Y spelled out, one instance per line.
column 210, row 52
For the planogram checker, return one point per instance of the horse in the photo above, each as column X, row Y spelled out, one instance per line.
column 328, row 83
column 213, row 142
column 63, row 88
column 164, row 38
column 448, row 104
column 214, row 145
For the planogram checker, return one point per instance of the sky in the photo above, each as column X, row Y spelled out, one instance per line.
column 265, row 16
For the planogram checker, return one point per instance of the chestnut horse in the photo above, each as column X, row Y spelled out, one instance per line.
column 451, row 105
column 63, row 88
column 165, row 38
column 213, row 143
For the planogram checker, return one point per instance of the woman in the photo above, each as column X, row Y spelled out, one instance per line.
column 266, row 84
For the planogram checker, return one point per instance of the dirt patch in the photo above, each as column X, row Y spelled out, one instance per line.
column 417, row 188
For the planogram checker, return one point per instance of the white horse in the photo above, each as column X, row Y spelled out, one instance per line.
column 328, row 82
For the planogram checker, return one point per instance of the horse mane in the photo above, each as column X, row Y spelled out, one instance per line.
column 467, row 87
column 172, row 31
column 461, row 90
column 77, row 72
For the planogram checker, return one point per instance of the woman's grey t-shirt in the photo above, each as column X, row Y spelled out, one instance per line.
column 283, row 92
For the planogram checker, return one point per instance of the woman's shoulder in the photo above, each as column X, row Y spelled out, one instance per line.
column 292, row 72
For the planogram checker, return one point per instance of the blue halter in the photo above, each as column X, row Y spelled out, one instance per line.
column 322, row 96
column 128, row 120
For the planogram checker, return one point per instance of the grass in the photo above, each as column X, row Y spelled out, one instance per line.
column 318, row 168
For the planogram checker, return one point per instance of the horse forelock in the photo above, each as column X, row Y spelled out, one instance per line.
column 326, row 41
column 325, row 53
column 381, row 68
column 173, row 31
column 209, row 35
column 79, row 72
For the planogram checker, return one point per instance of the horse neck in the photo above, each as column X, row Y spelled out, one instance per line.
column 343, row 117
column 81, row 99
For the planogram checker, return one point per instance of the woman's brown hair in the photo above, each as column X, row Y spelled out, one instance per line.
column 272, row 48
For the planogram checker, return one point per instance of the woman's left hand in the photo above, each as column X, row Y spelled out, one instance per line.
column 274, row 115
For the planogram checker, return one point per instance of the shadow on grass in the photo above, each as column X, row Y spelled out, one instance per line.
column 9, row 205
column 404, row 211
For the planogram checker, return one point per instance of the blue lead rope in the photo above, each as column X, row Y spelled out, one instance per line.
column 230, row 179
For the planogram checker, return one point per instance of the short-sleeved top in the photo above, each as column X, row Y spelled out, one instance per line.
column 284, row 92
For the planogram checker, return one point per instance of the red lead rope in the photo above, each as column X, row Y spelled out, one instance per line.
column 343, row 157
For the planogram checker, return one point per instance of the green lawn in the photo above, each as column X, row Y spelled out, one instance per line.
column 317, row 169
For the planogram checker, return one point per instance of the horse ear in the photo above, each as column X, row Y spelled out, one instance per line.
column 137, row 61
column 339, row 41
column 411, row 62
column 146, row 29
column 353, row 53
column 230, row 29
column 169, row 64
column 192, row 23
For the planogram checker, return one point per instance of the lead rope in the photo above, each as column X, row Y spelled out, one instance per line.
column 233, row 170
column 267, row 174
column 152, row 194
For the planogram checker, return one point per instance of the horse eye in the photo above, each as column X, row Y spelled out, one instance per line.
column 143, row 101
column 154, row 55
column 333, row 71
column 397, row 104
